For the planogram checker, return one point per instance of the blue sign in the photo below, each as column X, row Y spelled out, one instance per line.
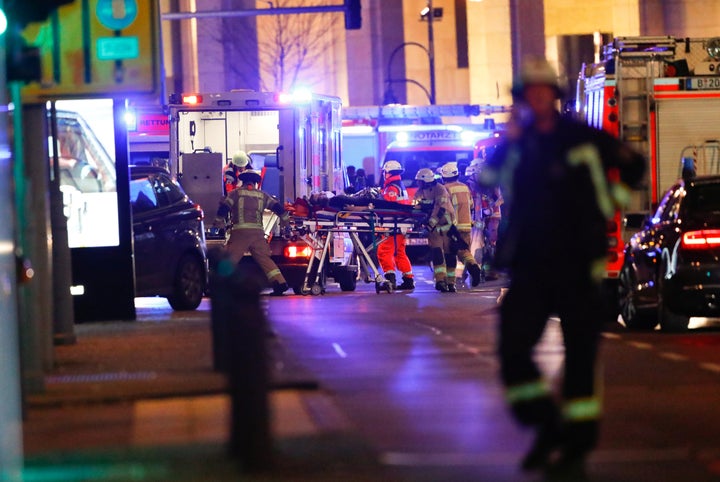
column 116, row 14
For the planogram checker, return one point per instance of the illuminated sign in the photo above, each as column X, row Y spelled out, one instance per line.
column 106, row 48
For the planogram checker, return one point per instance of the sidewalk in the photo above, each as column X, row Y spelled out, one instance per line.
column 140, row 401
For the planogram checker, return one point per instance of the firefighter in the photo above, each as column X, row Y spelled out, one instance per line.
column 240, row 161
column 462, row 201
column 433, row 197
column 487, row 215
column 391, row 250
column 245, row 205
column 555, row 174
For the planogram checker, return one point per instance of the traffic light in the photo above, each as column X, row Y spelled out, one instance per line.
column 353, row 16
column 23, row 60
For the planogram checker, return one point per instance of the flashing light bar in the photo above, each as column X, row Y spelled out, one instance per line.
column 298, row 96
column 420, row 128
column 130, row 120
column 705, row 238
column 357, row 129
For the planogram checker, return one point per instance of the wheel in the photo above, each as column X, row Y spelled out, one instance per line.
column 347, row 280
column 377, row 287
column 635, row 318
column 669, row 321
column 316, row 290
column 189, row 284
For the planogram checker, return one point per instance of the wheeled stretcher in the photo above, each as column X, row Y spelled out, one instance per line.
column 337, row 235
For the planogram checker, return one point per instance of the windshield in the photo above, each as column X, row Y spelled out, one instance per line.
column 433, row 159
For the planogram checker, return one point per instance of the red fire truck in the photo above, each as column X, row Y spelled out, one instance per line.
column 661, row 95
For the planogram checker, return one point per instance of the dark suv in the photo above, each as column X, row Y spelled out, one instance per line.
column 169, row 239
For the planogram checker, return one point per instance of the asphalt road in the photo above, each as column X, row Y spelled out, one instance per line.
column 413, row 376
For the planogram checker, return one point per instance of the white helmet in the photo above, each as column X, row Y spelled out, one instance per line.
column 240, row 159
column 474, row 167
column 449, row 170
column 537, row 71
column 425, row 175
column 392, row 166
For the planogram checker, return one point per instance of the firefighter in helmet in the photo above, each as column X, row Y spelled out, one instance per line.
column 487, row 216
column 391, row 250
column 245, row 206
column 240, row 161
column 553, row 172
column 433, row 197
column 462, row 201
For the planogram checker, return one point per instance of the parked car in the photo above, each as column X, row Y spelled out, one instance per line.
column 672, row 266
column 169, row 239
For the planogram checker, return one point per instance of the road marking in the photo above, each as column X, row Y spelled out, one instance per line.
column 640, row 345
column 673, row 356
column 712, row 367
column 338, row 349
column 448, row 459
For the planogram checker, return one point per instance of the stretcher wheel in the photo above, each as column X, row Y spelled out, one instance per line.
column 316, row 290
column 377, row 287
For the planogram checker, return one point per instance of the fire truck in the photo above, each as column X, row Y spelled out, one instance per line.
column 294, row 139
column 661, row 95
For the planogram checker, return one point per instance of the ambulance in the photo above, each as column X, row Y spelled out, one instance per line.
column 294, row 139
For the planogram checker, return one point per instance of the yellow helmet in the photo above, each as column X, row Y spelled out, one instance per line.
column 449, row 170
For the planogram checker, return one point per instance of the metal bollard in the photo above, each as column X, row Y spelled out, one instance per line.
column 239, row 332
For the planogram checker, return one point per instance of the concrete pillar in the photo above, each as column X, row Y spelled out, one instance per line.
column 527, row 24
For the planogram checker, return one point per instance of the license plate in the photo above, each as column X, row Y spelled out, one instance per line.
column 416, row 241
column 703, row 83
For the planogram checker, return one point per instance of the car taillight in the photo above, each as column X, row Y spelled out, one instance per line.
column 295, row 251
column 705, row 238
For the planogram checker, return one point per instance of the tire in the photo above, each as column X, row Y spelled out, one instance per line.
column 188, row 285
column 635, row 318
column 347, row 280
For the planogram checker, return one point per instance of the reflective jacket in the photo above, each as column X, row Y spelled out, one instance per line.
column 462, row 201
column 246, row 205
column 394, row 190
column 442, row 216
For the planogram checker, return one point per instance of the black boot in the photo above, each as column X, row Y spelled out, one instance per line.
column 451, row 288
column 279, row 288
column 441, row 286
column 390, row 277
column 407, row 284
column 476, row 274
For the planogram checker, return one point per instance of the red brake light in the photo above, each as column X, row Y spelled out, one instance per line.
column 295, row 251
column 191, row 99
column 706, row 238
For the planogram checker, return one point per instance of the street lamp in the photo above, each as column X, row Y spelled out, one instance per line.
column 427, row 13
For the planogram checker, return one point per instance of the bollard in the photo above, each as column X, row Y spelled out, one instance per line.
column 239, row 332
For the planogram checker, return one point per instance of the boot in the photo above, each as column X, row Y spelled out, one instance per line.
column 407, row 284
column 279, row 288
column 475, row 274
column 451, row 288
column 390, row 277
column 441, row 286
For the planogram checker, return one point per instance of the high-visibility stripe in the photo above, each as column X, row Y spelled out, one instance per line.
column 582, row 409
column 589, row 155
column 525, row 392
column 272, row 273
column 440, row 270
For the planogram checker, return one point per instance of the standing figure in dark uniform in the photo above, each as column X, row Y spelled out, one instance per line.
column 562, row 181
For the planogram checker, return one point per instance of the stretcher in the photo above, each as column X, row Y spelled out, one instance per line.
column 338, row 230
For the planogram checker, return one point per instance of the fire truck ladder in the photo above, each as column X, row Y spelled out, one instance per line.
column 638, row 61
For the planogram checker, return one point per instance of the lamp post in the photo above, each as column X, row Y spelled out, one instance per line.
column 389, row 94
column 431, row 50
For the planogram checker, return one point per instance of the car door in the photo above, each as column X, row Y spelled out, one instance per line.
column 651, row 245
column 147, row 209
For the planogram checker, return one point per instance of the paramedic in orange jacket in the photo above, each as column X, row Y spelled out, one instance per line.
column 391, row 250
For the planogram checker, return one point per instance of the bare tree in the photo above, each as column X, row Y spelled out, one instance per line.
column 274, row 52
